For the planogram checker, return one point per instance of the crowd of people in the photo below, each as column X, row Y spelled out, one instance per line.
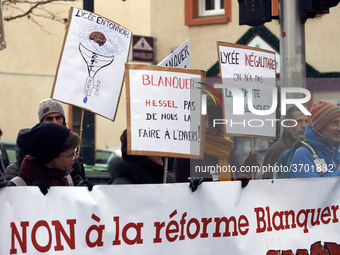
column 46, row 154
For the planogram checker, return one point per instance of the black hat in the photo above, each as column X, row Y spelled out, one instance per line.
column 44, row 141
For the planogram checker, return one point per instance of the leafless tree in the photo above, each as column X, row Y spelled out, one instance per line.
column 16, row 9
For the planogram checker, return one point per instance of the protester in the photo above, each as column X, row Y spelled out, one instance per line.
column 218, row 154
column 50, row 153
column 13, row 169
column 135, row 169
column 49, row 111
column 294, row 131
column 324, row 136
column 4, row 162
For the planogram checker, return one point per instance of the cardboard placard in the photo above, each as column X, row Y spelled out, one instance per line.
column 179, row 58
column 164, row 111
column 250, row 71
column 92, row 63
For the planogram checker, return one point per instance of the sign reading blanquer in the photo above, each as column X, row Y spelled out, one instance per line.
column 143, row 48
column 164, row 111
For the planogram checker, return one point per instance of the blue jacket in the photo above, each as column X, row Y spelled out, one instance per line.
column 302, row 165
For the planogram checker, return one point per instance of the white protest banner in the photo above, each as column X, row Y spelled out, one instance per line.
column 248, row 74
column 92, row 63
column 179, row 58
column 271, row 217
column 164, row 111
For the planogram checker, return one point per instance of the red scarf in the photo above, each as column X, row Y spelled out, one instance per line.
column 34, row 171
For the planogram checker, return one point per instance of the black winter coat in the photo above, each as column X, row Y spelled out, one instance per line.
column 135, row 170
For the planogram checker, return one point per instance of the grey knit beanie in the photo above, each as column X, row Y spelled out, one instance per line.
column 49, row 106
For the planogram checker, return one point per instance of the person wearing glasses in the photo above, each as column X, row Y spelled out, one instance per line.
column 49, row 111
column 50, row 151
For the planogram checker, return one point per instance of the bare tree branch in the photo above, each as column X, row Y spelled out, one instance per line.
column 31, row 6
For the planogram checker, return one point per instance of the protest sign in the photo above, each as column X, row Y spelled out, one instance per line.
column 248, row 74
column 265, row 217
column 179, row 58
column 164, row 111
column 92, row 63
column 2, row 30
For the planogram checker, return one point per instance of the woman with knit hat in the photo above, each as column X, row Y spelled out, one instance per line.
column 49, row 111
column 51, row 152
column 324, row 136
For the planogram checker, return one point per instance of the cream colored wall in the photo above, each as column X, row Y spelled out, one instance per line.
column 35, row 50
column 134, row 15
column 32, row 50
column 167, row 23
column 27, row 66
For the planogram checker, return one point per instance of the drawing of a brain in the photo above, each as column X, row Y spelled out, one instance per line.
column 100, row 40
column 98, row 37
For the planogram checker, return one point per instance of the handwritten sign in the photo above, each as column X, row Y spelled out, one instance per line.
column 179, row 58
column 164, row 111
column 267, row 218
column 91, row 67
column 251, row 71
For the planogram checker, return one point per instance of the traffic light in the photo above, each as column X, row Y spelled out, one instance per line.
column 255, row 12
column 310, row 8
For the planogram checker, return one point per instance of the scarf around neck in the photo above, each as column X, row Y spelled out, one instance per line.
column 35, row 171
column 324, row 139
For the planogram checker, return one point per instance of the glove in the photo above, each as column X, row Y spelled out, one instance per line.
column 86, row 183
column 194, row 182
column 76, row 179
column 42, row 184
column 244, row 178
column 251, row 160
column 78, row 171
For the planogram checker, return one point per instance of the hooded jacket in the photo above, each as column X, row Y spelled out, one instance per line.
column 303, row 166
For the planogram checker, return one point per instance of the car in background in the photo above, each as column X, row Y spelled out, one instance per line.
column 104, row 155
column 10, row 149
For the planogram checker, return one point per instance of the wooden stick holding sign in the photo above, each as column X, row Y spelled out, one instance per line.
column 81, row 131
column 165, row 174
column 178, row 58
column 248, row 79
column 92, row 63
column 252, row 151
